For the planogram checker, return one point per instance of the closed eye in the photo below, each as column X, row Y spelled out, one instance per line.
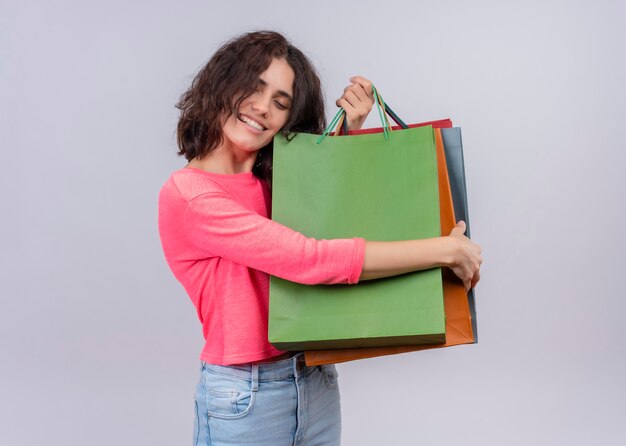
column 280, row 105
column 261, row 84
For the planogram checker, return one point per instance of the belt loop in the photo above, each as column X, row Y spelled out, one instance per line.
column 300, row 363
column 255, row 377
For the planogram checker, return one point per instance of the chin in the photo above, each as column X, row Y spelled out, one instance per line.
column 250, row 146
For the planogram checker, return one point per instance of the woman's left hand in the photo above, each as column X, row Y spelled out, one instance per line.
column 357, row 100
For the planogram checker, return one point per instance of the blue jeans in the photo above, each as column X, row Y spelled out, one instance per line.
column 281, row 403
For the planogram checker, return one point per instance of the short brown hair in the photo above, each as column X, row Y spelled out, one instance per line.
column 229, row 77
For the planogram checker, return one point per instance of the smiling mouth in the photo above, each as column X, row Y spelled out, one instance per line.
column 251, row 123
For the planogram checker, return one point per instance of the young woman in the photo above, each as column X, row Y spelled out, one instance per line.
column 221, row 245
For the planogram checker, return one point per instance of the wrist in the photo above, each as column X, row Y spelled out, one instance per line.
column 448, row 252
column 355, row 124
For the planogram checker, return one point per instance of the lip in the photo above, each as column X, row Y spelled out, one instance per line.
column 241, row 115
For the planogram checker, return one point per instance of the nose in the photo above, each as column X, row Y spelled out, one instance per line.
column 261, row 103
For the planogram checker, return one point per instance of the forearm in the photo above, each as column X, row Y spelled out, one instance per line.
column 385, row 259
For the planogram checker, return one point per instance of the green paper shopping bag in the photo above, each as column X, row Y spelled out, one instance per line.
column 370, row 186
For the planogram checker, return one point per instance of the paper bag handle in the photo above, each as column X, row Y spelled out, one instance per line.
column 340, row 123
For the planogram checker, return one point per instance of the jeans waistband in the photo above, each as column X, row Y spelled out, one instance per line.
column 266, row 371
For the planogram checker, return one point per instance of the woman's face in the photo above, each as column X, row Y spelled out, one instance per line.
column 262, row 114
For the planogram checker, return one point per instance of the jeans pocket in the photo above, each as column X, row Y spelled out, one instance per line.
column 228, row 397
column 331, row 375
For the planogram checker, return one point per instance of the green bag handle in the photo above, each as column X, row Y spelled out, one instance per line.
column 380, row 106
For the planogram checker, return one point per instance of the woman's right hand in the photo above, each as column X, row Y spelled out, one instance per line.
column 466, row 258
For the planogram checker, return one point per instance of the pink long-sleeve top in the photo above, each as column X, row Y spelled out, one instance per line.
column 221, row 245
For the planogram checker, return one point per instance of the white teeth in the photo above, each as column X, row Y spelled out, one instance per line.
column 252, row 123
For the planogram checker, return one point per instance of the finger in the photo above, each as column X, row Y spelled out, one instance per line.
column 352, row 98
column 459, row 229
column 360, row 105
column 365, row 98
column 343, row 103
column 365, row 83
column 463, row 272
column 475, row 279
column 354, row 108
column 360, row 93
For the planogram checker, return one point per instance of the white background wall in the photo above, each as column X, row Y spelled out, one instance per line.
column 99, row 343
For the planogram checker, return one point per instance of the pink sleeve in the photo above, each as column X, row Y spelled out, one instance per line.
column 220, row 226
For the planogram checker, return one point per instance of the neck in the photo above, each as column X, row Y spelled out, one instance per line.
column 225, row 161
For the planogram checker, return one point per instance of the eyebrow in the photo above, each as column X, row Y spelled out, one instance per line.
column 279, row 92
